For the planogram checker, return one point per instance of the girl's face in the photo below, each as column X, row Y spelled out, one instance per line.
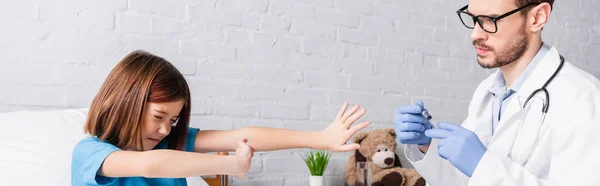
column 157, row 120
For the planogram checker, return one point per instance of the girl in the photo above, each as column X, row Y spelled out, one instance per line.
column 139, row 134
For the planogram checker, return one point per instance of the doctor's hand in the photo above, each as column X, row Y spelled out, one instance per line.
column 410, row 125
column 458, row 145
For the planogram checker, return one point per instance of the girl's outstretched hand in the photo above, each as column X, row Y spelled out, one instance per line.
column 337, row 134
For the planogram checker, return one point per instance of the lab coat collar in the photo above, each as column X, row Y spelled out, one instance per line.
column 538, row 77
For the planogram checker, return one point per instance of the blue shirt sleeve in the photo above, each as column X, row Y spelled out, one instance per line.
column 191, row 139
column 88, row 156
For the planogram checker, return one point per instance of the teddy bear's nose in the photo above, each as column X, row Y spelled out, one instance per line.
column 389, row 161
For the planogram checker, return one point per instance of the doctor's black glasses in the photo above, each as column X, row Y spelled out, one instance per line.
column 487, row 23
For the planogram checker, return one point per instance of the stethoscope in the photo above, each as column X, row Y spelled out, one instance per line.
column 545, row 106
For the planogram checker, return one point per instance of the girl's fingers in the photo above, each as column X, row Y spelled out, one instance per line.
column 354, row 117
column 349, row 113
column 342, row 110
column 358, row 127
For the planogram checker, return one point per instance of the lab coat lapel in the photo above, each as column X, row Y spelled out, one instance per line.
column 536, row 80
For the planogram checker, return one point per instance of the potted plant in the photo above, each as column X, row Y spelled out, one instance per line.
column 317, row 163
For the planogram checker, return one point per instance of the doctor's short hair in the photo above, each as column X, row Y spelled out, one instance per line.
column 521, row 3
column 117, row 110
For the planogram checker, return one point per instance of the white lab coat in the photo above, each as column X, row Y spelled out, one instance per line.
column 567, row 151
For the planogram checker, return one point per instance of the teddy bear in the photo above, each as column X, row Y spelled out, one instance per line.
column 377, row 148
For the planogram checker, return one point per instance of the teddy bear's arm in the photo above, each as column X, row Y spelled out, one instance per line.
column 413, row 178
column 389, row 177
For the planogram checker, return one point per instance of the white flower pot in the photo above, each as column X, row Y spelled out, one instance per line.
column 316, row 180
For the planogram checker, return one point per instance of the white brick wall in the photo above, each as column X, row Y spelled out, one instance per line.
column 278, row 63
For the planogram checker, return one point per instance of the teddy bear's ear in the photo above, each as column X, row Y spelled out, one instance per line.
column 391, row 131
column 360, row 137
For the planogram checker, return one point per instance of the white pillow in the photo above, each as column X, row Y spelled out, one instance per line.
column 36, row 146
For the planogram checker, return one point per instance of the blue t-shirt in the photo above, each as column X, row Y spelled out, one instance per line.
column 89, row 154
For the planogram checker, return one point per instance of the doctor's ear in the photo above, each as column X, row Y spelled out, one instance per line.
column 538, row 16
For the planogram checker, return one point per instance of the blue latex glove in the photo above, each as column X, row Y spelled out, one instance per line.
column 458, row 145
column 410, row 125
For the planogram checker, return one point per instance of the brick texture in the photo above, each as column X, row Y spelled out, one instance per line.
column 277, row 63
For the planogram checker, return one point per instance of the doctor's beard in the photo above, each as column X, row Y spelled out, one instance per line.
column 507, row 53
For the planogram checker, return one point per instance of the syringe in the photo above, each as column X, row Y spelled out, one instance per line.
column 428, row 116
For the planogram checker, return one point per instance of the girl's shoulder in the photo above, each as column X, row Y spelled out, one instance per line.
column 87, row 158
column 93, row 144
column 92, row 140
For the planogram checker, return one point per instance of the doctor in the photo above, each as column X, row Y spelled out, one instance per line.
column 505, row 139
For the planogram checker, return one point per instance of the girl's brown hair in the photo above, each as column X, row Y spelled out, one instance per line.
column 116, row 112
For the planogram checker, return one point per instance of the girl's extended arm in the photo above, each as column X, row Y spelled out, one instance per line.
column 333, row 138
